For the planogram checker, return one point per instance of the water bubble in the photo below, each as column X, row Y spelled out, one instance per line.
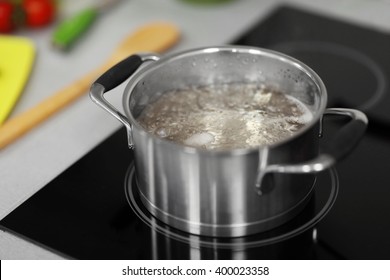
column 245, row 61
column 162, row 132
column 200, row 139
column 225, row 116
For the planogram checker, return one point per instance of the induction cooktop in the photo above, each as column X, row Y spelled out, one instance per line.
column 91, row 210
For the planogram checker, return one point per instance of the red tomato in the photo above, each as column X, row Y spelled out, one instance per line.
column 6, row 17
column 39, row 12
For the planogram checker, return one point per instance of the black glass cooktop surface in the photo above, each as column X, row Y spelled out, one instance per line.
column 85, row 212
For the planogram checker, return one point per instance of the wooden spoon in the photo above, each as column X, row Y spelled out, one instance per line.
column 154, row 37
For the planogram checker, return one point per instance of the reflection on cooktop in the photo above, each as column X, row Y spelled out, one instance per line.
column 331, row 60
column 84, row 214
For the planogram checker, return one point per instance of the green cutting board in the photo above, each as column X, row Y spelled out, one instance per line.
column 16, row 60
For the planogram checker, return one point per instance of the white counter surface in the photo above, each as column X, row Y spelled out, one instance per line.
column 34, row 160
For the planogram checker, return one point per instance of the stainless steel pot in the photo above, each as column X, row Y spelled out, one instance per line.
column 232, row 192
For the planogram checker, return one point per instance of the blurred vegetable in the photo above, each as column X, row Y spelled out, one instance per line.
column 6, row 24
column 39, row 12
column 71, row 29
column 10, row 16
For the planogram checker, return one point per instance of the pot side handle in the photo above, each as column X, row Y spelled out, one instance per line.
column 339, row 147
column 112, row 78
column 349, row 136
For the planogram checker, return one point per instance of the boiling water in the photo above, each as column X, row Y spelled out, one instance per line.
column 225, row 116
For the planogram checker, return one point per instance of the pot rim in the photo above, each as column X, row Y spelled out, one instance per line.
column 150, row 67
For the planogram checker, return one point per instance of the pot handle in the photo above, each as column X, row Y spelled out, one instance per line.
column 112, row 78
column 342, row 144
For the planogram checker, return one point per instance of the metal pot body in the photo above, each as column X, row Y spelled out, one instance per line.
column 231, row 192
column 216, row 194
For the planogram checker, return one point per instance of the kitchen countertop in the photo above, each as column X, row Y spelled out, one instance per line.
column 34, row 160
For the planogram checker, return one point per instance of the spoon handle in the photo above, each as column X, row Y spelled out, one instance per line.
column 22, row 123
